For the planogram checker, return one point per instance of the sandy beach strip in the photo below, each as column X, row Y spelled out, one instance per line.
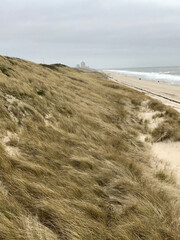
column 166, row 93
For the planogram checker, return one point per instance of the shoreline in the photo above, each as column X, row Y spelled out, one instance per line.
column 164, row 92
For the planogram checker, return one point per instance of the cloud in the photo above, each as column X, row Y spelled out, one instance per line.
column 162, row 3
column 77, row 29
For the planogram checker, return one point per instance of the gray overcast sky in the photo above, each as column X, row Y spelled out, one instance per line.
column 104, row 33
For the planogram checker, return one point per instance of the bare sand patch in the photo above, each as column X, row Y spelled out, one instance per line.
column 165, row 154
column 169, row 153
column 11, row 150
column 149, row 117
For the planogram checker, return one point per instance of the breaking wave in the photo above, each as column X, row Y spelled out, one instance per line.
column 162, row 77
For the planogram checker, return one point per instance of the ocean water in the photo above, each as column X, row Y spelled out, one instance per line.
column 170, row 75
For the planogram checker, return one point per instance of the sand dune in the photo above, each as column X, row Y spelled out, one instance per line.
column 72, row 165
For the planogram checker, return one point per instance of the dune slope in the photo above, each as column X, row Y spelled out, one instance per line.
column 72, row 166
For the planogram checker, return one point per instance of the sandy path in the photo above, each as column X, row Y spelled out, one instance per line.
column 167, row 94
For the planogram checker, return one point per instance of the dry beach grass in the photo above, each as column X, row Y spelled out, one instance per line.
column 72, row 166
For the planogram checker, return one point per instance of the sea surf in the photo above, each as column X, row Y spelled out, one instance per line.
column 170, row 75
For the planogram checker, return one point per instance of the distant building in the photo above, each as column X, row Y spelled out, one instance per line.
column 83, row 64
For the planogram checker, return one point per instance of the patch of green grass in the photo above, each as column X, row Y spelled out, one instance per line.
column 41, row 92
column 164, row 176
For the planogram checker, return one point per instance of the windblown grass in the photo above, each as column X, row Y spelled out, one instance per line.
column 169, row 129
column 80, row 171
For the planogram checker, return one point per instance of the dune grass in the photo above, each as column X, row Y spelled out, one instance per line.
column 169, row 129
column 71, row 164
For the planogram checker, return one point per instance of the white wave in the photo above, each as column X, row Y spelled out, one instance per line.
column 169, row 78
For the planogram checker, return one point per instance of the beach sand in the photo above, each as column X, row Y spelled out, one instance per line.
column 166, row 93
column 166, row 153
